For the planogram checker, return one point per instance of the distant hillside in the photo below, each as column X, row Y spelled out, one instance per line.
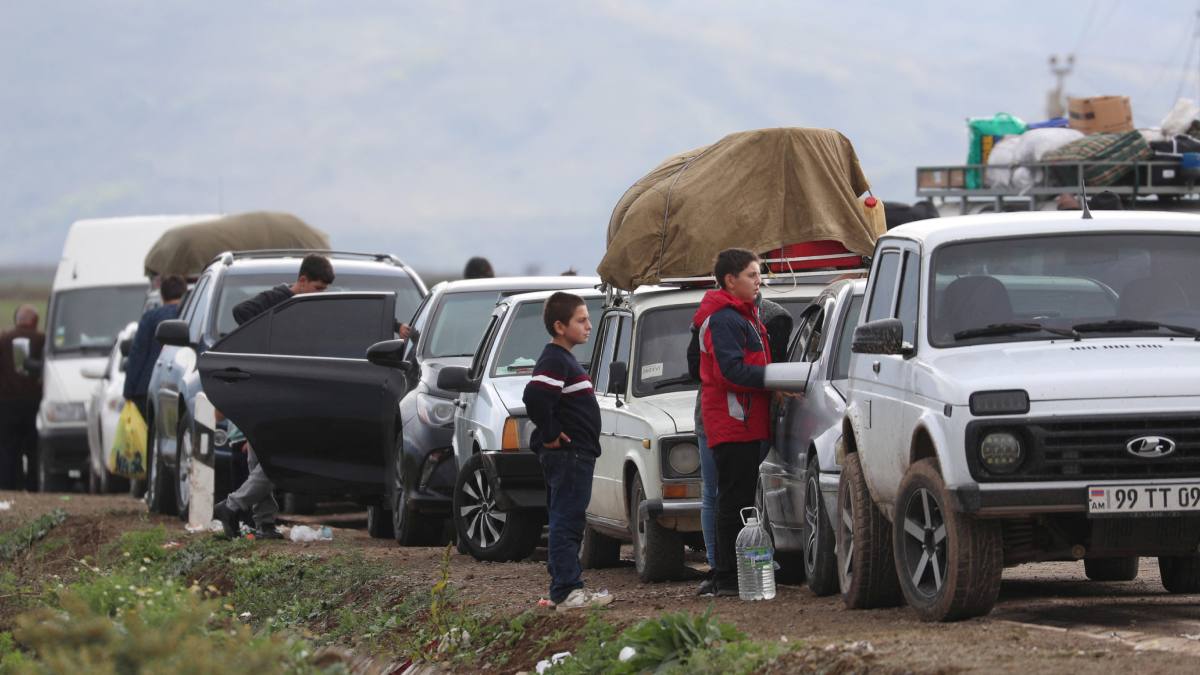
column 25, row 281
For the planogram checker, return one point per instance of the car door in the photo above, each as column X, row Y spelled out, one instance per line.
column 608, row 500
column 466, row 422
column 296, row 381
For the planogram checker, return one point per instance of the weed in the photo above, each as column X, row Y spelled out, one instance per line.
column 14, row 542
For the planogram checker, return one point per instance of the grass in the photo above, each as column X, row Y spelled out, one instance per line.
column 8, row 306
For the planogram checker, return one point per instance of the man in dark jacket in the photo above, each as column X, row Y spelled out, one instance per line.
column 145, row 349
column 735, row 407
column 257, row 494
column 20, row 394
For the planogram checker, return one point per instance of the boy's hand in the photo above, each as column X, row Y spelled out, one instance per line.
column 558, row 442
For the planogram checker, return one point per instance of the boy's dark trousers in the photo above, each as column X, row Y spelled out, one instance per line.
column 737, row 478
column 568, row 490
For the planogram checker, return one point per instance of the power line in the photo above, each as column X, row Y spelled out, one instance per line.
column 1087, row 23
column 1191, row 51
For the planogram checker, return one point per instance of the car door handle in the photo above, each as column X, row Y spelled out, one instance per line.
column 875, row 367
column 231, row 375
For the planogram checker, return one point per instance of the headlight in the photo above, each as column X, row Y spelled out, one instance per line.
column 684, row 458
column 434, row 411
column 1001, row 452
column 64, row 411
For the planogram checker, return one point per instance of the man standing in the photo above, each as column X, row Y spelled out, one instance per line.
column 145, row 349
column 257, row 494
column 20, row 394
column 735, row 407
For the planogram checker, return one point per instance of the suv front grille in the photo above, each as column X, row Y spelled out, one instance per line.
column 1092, row 448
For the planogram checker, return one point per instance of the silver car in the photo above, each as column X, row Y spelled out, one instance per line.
column 104, row 410
column 798, row 480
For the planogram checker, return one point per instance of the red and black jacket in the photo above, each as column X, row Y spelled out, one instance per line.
column 734, row 352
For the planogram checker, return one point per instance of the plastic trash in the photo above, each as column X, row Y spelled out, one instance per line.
column 544, row 664
column 305, row 533
column 626, row 654
column 5, row 505
column 212, row 526
column 1180, row 117
column 755, row 559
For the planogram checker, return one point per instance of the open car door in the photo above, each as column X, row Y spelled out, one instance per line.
column 296, row 381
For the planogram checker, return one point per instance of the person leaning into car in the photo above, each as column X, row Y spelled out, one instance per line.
column 257, row 494
column 144, row 349
column 734, row 406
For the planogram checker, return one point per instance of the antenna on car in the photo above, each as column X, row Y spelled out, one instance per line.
column 1087, row 212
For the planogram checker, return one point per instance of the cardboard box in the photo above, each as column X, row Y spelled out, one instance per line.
column 941, row 178
column 1100, row 114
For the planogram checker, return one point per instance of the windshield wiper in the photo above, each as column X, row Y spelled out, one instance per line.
column 1118, row 325
column 1010, row 328
column 671, row 382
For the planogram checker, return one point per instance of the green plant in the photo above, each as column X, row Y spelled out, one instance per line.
column 14, row 542
column 671, row 643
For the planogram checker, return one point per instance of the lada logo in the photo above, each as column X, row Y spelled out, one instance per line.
column 1150, row 447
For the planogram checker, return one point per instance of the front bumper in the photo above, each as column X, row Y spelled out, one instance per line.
column 517, row 478
column 681, row 515
column 64, row 449
column 1021, row 499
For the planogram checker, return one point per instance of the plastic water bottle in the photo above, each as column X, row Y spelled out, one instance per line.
column 755, row 559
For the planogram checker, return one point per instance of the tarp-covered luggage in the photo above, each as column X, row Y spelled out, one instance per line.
column 1118, row 150
column 187, row 249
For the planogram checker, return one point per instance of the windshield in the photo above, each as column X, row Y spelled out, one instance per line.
column 240, row 287
column 91, row 318
column 458, row 325
column 1041, row 288
column 526, row 336
column 662, row 341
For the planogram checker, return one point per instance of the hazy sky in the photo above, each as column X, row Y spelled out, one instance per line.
column 444, row 129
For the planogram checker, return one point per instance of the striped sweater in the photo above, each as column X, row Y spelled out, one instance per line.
column 560, row 399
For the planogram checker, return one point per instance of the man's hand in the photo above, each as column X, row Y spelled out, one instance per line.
column 404, row 331
column 558, row 442
column 781, row 397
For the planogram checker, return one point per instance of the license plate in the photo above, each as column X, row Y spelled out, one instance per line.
column 1104, row 500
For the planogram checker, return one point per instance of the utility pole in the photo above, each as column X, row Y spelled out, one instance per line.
column 1055, row 105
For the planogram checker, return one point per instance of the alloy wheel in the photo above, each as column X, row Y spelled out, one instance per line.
column 484, row 522
column 923, row 548
column 812, row 505
column 845, row 538
column 183, row 471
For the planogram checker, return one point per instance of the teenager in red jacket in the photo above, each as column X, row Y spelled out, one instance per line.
column 734, row 406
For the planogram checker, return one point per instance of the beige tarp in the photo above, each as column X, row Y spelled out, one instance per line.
column 187, row 249
column 758, row 190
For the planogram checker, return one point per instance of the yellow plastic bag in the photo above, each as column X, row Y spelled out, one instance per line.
column 127, row 457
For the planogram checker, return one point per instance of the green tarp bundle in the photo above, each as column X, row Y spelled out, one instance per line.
column 759, row 190
column 187, row 249
column 1122, row 148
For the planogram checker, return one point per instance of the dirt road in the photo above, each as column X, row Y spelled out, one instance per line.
column 1049, row 618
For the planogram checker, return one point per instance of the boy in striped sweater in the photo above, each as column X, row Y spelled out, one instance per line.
column 562, row 405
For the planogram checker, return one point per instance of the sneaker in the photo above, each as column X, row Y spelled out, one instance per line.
column 581, row 599
column 228, row 518
column 708, row 588
column 268, row 531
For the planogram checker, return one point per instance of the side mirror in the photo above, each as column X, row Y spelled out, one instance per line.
column 95, row 371
column 126, row 346
column 173, row 333
column 883, row 336
column 389, row 354
column 788, row 376
column 618, row 375
column 455, row 378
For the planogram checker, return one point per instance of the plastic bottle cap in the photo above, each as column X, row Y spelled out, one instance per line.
column 870, row 202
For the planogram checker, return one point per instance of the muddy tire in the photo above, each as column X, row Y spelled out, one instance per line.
column 184, row 448
column 298, row 504
column 487, row 532
column 820, row 552
column 866, row 568
column 949, row 564
column 1180, row 573
column 410, row 527
column 791, row 563
column 379, row 522
column 1124, row 568
column 160, row 493
column 657, row 551
column 598, row 551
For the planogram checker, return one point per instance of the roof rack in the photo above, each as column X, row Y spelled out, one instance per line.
column 229, row 256
column 820, row 276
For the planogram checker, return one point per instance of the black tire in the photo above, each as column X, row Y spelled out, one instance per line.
column 1124, row 568
column 791, row 563
column 487, row 532
column 657, row 551
column 298, row 504
column 410, row 527
column 51, row 482
column 379, row 522
column 866, row 569
column 184, row 448
column 159, row 496
column 949, row 564
column 97, row 482
column 1180, row 573
column 820, row 553
column 598, row 551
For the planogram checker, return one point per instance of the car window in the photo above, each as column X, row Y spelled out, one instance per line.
column 815, row 339
column 199, row 302
column 906, row 308
column 795, row 306
column 329, row 327
column 625, row 339
column 884, row 288
column 803, row 330
column 841, row 362
column 90, row 318
column 485, row 345
column 662, row 342
column 457, row 324
column 188, row 304
column 604, row 356
column 526, row 336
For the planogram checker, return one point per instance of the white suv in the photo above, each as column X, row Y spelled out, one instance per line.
column 1025, row 387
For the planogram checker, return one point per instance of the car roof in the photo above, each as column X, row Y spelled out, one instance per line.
column 508, row 284
column 542, row 295
column 652, row 297
column 937, row 231
column 291, row 263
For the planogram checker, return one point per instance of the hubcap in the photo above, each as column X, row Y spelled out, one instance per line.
column 152, row 476
column 185, row 466
column 811, row 521
column 398, row 489
column 924, row 543
column 484, row 522
column 845, row 543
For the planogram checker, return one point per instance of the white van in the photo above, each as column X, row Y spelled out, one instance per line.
column 100, row 286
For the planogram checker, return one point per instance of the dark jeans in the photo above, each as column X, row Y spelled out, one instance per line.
column 568, row 490
column 18, row 438
column 737, row 478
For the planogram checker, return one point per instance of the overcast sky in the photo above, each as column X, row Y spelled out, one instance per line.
column 442, row 130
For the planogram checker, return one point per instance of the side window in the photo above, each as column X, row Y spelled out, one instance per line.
column 841, row 363
column 816, row 338
column 196, row 310
column 604, row 355
column 485, row 346
column 329, row 327
column 803, row 331
column 883, row 291
column 906, row 309
column 252, row 337
column 188, row 307
column 625, row 339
